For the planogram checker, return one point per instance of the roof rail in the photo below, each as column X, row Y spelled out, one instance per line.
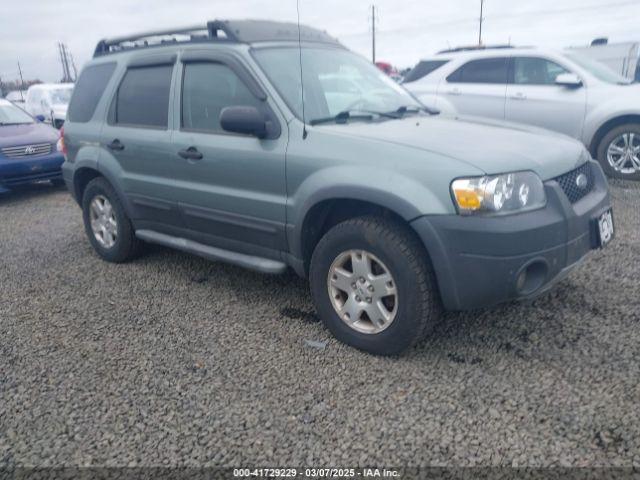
column 476, row 47
column 239, row 31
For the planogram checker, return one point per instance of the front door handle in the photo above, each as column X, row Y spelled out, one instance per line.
column 455, row 91
column 190, row 153
column 116, row 145
column 518, row 96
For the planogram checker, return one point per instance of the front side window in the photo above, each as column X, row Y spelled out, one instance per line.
column 598, row 70
column 486, row 70
column 12, row 115
column 335, row 81
column 143, row 97
column 535, row 71
column 207, row 88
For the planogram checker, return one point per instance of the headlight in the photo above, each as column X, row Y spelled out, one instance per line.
column 499, row 194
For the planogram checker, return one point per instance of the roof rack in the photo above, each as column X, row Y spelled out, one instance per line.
column 476, row 47
column 238, row 31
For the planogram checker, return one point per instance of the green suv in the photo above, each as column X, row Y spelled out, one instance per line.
column 271, row 146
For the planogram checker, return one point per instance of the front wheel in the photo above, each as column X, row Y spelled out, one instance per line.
column 619, row 152
column 372, row 284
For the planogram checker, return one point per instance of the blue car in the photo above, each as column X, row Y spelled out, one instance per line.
column 30, row 151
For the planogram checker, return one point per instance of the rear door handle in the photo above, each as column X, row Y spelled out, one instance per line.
column 116, row 145
column 190, row 153
column 455, row 91
column 518, row 96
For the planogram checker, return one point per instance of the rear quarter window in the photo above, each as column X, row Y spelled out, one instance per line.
column 88, row 91
column 423, row 69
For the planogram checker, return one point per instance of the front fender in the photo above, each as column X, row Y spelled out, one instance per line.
column 403, row 195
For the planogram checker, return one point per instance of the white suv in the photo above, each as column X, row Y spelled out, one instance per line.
column 561, row 91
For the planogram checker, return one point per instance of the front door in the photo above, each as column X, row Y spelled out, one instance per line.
column 235, row 196
column 533, row 97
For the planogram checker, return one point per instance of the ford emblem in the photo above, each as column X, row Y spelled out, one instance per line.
column 581, row 181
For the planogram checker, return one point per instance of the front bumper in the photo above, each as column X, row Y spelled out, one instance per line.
column 15, row 172
column 479, row 261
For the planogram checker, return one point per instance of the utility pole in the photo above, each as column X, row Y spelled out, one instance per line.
column 21, row 79
column 481, row 19
column 373, row 33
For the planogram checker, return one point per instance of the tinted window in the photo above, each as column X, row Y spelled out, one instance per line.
column 423, row 69
column 207, row 88
column 487, row 70
column 88, row 90
column 535, row 71
column 143, row 96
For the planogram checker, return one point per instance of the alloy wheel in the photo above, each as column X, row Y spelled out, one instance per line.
column 362, row 291
column 623, row 153
column 103, row 221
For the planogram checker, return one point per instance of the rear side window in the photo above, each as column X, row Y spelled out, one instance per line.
column 423, row 69
column 88, row 90
column 487, row 70
column 143, row 97
column 208, row 88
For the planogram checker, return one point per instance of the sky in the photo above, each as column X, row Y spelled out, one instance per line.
column 407, row 29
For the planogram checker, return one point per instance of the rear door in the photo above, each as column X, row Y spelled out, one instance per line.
column 136, row 142
column 478, row 87
column 235, row 192
column 534, row 98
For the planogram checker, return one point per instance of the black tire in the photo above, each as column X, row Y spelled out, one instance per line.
column 604, row 146
column 126, row 246
column 419, row 306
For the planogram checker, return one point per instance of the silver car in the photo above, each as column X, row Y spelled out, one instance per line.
column 560, row 91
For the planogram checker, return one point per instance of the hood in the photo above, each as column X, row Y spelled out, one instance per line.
column 59, row 111
column 28, row 134
column 491, row 146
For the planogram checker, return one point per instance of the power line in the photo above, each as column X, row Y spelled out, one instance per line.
column 373, row 33
column 481, row 18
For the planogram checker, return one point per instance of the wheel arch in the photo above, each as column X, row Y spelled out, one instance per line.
column 608, row 126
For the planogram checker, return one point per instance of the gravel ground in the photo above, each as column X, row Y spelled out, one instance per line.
column 174, row 360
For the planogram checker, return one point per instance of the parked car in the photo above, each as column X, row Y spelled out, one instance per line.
column 29, row 150
column 561, row 91
column 49, row 102
column 389, row 210
column 17, row 97
column 622, row 58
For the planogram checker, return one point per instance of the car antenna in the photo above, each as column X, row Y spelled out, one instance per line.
column 304, row 123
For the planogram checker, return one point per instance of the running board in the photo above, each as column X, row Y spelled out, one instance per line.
column 260, row 264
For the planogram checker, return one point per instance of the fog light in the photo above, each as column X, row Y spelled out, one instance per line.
column 521, row 280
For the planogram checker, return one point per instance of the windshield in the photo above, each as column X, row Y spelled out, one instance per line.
column 597, row 69
column 335, row 81
column 60, row 96
column 12, row 115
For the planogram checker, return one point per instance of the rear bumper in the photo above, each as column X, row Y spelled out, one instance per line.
column 15, row 172
column 479, row 261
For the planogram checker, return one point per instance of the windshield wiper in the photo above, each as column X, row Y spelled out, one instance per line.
column 403, row 110
column 342, row 117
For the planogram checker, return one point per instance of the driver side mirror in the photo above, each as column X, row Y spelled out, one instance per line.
column 570, row 80
column 40, row 118
column 244, row 120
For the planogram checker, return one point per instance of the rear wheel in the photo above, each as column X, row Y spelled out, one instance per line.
column 372, row 285
column 619, row 152
column 106, row 224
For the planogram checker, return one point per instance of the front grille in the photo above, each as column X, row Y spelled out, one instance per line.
column 27, row 150
column 569, row 183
